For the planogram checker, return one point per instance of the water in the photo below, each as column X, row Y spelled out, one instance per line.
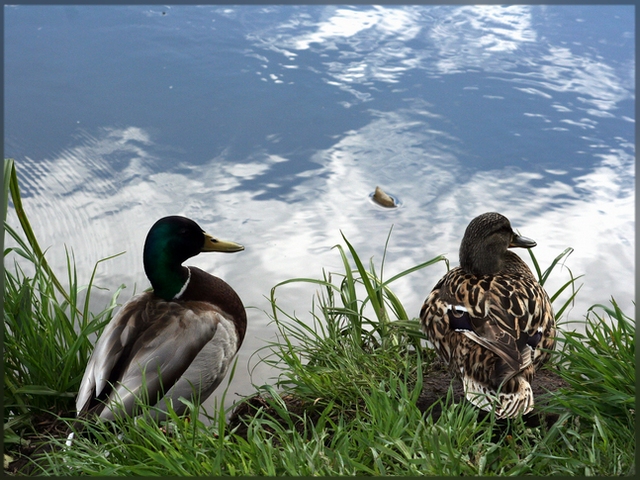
column 272, row 125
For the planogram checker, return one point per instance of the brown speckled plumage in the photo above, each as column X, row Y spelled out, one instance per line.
column 497, row 340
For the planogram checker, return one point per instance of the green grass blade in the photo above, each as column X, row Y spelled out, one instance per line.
column 372, row 293
column 28, row 230
column 420, row 266
column 9, row 166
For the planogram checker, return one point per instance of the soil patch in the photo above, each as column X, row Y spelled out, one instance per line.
column 434, row 393
column 46, row 425
column 436, row 385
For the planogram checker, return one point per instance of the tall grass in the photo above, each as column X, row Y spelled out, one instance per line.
column 345, row 402
column 371, row 367
column 358, row 334
column 47, row 328
column 605, row 387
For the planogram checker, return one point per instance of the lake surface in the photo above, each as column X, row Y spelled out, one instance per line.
column 272, row 125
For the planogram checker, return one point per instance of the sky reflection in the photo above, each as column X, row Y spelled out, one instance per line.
column 374, row 45
column 454, row 110
column 293, row 236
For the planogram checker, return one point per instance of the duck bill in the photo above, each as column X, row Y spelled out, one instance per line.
column 520, row 241
column 213, row 244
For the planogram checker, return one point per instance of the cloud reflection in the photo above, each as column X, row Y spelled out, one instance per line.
column 478, row 37
column 596, row 82
column 101, row 196
column 360, row 46
column 293, row 236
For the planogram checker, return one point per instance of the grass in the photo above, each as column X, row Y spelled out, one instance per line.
column 345, row 347
column 46, row 330
column 346, row 400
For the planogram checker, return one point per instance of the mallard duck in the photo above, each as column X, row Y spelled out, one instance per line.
column 181, row 336
column 490, row 320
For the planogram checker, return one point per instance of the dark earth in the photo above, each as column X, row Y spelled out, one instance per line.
column 436, row 383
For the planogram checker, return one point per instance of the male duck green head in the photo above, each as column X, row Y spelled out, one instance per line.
column 170, row 242
column 176, row 341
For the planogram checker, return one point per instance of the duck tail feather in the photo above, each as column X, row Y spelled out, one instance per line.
column 506, row 405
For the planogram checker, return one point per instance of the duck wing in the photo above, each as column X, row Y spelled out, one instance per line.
column 207, row 370
column 502, row 313
column 145, row 348
column 485, row 331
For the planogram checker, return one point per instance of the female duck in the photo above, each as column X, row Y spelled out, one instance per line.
column 175, row 341
column 490, row 320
